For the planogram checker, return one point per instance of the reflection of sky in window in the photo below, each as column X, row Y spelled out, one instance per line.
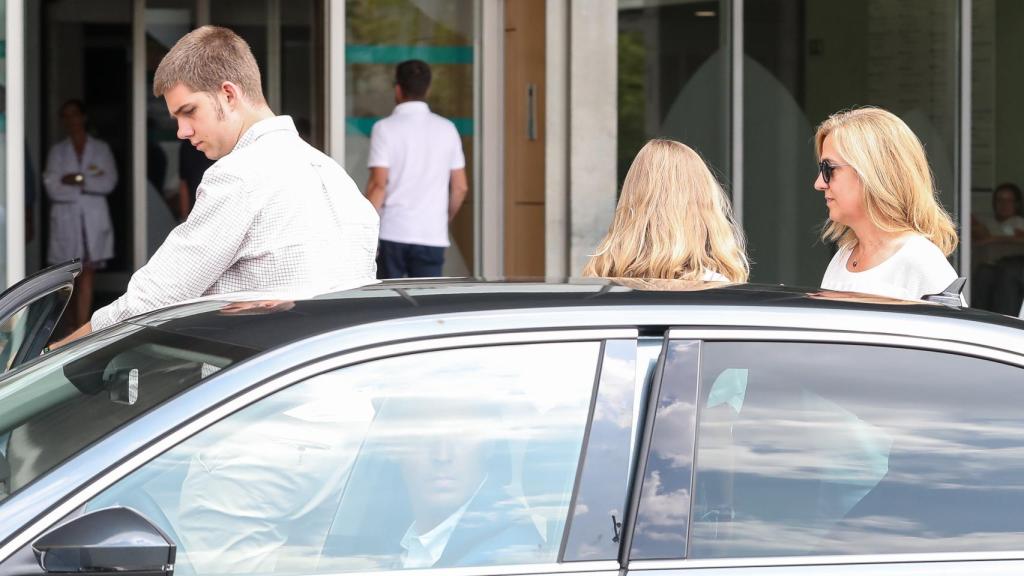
column 605, row 476
column 660, row 531
column 856, row 449
column 527, row 405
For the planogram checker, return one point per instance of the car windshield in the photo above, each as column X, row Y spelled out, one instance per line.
column 53, row 407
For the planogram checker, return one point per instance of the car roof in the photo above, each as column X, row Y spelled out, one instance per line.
column 398, row 301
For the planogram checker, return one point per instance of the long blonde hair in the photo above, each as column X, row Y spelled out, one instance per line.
column 899, row 190
column 673, row 221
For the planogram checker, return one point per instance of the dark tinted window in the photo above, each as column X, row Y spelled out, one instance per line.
column 843, row 449
column 664, row 508
column 24, row 334
column 60, row 403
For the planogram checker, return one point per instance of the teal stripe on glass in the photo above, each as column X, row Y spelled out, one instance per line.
column 363, row 125
column 383, row 54
column 3, row 48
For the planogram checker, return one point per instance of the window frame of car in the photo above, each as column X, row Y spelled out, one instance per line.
column 75, row 501
column 909, row 561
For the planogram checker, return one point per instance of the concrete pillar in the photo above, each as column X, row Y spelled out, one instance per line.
column 593, row 125
column 556, row 144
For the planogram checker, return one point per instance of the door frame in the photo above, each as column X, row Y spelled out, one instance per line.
column 31, row 289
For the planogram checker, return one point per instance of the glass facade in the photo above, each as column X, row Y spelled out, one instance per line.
column 997, row 144
column 798, row 67
column 379, row 35
column 674, row 79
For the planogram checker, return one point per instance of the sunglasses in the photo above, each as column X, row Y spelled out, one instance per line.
column 826, row 169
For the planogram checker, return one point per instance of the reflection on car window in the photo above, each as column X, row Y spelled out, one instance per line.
column 598, row 512
column 664, row 510
column 440, row 459
column 843, row 449
column 52, row 408
column 30, row 326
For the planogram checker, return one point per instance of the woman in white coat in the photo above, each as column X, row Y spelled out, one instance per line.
column 80, row 173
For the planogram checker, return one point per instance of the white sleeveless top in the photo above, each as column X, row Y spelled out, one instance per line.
column 918, row 268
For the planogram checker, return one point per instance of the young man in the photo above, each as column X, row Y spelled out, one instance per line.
column 272, row 214
column 417, row 178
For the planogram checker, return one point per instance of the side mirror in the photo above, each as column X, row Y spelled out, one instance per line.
column 114, row 539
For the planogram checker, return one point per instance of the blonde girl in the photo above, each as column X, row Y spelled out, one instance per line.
column 673, row 221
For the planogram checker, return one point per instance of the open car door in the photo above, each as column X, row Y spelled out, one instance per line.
column 30, row 310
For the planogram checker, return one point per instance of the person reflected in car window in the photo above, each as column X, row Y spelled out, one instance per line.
column 464, row 508
column 256, row 307
column 252, row 492
column 673, row 221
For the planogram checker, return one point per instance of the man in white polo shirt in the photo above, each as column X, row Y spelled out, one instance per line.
column 417, row 179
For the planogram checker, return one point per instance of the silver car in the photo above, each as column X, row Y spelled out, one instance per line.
column 477, row 429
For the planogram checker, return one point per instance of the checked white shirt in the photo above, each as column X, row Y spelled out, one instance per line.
column 273, row 215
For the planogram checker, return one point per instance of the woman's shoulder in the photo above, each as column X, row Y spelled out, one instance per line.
column 922, row 257
column 919, row 246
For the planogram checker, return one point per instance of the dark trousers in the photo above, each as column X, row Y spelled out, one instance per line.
column 398, row 260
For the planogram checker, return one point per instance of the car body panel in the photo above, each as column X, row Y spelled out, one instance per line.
column 395, row 318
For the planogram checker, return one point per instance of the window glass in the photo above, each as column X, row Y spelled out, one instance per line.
column 673, row 75
column 55, row 406
column 598, row 511
column 997, row 175
column 842, row 449
column 660, row 531
column 26, row 332
column 441, row 459
column 380, row 35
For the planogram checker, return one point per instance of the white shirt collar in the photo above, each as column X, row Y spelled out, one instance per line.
column 423, row 551
column 265, row 126
column 412, row 107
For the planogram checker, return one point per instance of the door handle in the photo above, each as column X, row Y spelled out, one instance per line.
column 531, row 112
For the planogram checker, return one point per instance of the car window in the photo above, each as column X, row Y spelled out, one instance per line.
column 28, row 328
column 664, row 507
column 55, row 406
column 808, row 449
column 597, row 518
column 438, row 459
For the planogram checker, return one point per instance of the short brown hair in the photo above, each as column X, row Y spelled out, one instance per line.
column 205, row 58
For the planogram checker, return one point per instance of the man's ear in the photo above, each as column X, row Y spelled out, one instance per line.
column 232, row 95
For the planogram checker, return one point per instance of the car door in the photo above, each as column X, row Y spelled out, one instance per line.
column 30, row 310
column 832, row 454
column 455, row 453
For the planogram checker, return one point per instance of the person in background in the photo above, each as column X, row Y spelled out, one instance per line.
column 1007, row 215
column 893, row 234
column 673, row 222
column 80, row 173
column 417, row 179
column 997, row 281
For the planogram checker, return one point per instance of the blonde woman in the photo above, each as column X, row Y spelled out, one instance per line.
column 893, row 234
column 673, row 221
